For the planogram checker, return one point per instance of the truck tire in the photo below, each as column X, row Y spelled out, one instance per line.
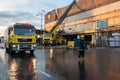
column 7, row 50
column 11, row 51
column 31, row 52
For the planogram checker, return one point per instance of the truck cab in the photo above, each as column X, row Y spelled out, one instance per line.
column 20, row 37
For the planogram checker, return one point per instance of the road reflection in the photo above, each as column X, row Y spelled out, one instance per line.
column 51, row 53
column 56, row 63
column 22, row 67
column 81, row 65
column 62, row 64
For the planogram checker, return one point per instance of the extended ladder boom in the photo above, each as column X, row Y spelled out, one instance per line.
column 63, row 16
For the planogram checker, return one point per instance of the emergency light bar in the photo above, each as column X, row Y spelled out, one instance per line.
column 24, row 24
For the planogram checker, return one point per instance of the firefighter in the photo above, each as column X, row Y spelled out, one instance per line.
column 81, row 46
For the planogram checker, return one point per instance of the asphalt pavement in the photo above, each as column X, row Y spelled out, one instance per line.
column 104, row 62
column 3, row 71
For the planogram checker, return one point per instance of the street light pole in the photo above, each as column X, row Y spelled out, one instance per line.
column 41, row 21
column 42, row 14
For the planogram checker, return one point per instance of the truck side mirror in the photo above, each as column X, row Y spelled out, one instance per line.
column 52, row 35
column 8, row 31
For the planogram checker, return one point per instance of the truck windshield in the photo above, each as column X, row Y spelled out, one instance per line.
column 47, row 34
column 21, row 30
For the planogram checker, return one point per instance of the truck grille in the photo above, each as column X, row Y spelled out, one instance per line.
column 25, row 46
column 24, row 40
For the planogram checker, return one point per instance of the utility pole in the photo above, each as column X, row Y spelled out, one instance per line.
column 42, row 23
column 43, row 19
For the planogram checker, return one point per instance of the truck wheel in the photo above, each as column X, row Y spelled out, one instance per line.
column 31, row 52
column 7, row 50
column 10, row 51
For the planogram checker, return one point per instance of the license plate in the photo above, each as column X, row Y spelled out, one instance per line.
column 25, row 45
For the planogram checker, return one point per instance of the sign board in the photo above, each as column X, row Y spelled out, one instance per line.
column 99, row 23
column 102, row 24
column 105, row 24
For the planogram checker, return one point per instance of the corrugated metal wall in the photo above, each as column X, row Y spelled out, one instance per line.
column 49, row 25
column 80, row 28
column 74, row 10
column 83, row 4
column 97, row 11
column 88, row 4
column 61, row 11
column 50, row 16
column 114, row 21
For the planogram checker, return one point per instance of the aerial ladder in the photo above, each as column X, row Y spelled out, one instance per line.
column 55, row 38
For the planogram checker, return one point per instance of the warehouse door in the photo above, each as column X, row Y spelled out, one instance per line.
column 88, row 39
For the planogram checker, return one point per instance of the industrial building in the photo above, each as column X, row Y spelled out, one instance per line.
column 97, row 20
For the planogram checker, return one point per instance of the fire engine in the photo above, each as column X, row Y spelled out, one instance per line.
column 20, row 37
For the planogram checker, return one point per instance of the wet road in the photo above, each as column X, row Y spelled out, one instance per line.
column 62, row 64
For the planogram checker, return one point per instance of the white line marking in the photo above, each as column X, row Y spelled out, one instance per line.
column 44, row 73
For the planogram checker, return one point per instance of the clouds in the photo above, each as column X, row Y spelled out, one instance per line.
column 13, row 14
column 25, row 5
column 13, row 11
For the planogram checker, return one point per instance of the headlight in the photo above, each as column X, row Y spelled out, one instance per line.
column 13, row 45
column 34, row 45
column 50, row 41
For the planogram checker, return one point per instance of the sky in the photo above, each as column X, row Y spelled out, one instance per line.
column 27, row 11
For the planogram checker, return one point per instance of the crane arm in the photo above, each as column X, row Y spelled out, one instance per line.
column 56, row 26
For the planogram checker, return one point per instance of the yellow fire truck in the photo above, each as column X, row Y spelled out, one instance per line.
column 20, row 37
